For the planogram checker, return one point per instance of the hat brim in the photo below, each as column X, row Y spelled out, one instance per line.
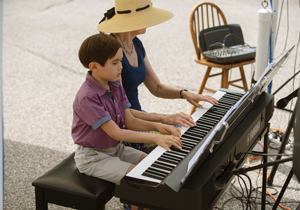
column 121, row 23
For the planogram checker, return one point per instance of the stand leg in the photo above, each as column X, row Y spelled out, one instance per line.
column 283, row 189
column 282, row 148
column 298, row 208
column 264, row 181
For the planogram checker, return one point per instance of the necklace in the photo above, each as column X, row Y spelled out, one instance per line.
column 125, row 47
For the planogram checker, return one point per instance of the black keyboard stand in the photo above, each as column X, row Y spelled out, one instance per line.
column 264, row 166
column 282, row 146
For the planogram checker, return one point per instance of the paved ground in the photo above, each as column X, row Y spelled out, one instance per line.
column 41, row 75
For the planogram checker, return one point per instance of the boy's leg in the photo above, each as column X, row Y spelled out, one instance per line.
column 126, row 155
column 130, row 155
column 101, row 163
column 132, row 166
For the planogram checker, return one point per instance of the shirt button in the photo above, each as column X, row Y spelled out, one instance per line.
column 118, row 115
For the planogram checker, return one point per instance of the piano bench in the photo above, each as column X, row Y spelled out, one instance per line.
column 64, row 185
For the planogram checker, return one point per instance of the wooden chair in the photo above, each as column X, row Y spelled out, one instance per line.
column 205, row 15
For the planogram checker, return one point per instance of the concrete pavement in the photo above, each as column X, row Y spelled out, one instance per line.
column 42, row 73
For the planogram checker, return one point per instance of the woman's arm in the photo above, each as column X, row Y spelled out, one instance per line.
column 154, row 85
column 158, row 89
column 181, row 118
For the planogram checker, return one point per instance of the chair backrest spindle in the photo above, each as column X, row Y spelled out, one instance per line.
column 214, row 17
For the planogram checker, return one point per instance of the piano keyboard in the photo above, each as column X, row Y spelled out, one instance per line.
column 159, row 163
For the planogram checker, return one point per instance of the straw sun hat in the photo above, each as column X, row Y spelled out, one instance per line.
column 132, row 15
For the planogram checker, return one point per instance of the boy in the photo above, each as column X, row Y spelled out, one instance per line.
column 100, row 111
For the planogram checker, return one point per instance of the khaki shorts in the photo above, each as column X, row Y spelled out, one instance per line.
column 110, row 164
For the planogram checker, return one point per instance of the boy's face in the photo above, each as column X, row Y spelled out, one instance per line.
column 111, row 71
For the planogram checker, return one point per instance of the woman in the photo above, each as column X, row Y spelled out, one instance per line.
column 127, row 20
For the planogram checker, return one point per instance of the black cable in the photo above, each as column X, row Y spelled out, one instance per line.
column 248, row 200
column 250, row 187
column 231, row 34
column 211, row 47
column 242, row 189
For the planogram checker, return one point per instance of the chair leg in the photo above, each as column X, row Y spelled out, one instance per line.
column 224, row 80
column 243, row 78
column 201, row 88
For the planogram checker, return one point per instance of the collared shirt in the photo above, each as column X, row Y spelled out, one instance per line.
column 93, row 106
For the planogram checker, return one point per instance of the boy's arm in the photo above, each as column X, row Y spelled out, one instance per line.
column 111, row 128
column 134, row 123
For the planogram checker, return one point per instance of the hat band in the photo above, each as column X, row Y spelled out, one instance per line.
column 129, row 11
column 111, row 12
column 124, row 12
column 139, row 9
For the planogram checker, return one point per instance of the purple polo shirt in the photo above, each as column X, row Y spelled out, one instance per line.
column 93, row 106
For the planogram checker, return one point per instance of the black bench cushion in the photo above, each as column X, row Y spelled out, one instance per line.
column 65, row 177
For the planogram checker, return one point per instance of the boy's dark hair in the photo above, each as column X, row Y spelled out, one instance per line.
column 98, row 48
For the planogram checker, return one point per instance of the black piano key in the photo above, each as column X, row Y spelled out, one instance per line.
column 232, row 96
column 152, row 175
column 167, row 160
column 195, row 133
column 204, row 127
column 189, row 140
column 222, row 106
column 165, row 163
column 188, row 136
column 203, row 122
column 180, row 153
column 192, row 144
column 212, row 115
column 164, row 167
column 158, row 171
column 218, row 111
column 227, row 101
column 171, row 156
column 198, row 130
column 187, row 147
column 208, row 121
column 173, row 148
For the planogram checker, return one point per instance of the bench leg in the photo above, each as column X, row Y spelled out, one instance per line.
column 40, row 204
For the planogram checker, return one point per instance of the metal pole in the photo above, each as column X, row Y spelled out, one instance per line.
column 1, row 115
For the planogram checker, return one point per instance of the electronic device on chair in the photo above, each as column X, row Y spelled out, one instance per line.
column 225, row 44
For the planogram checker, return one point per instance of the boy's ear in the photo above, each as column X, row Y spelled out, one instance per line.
column 93, row 66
